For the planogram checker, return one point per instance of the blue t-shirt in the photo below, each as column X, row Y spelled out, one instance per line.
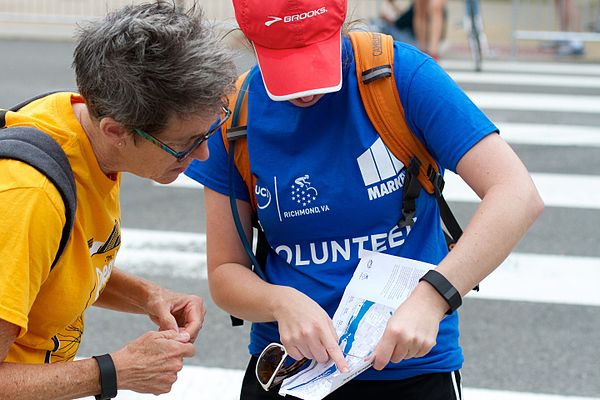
column 327, row 187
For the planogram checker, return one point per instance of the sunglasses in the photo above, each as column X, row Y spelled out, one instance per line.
column 274, row 365
column 180, row 155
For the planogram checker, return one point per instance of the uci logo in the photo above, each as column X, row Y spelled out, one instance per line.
column 263, row 197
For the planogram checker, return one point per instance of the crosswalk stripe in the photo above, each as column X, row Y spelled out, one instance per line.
column 522, row 277
column 545, row 80
column 544, row 279
column 550, row 135
column 557, row 190
column 224, row 384
column 535, row 102
column 523, row 67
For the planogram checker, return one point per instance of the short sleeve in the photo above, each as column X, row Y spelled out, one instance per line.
column 214, row 172
column 438, row 111
column 32, row 216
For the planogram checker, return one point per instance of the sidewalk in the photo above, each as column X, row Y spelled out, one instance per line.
column 223, row 384
column 497, row 16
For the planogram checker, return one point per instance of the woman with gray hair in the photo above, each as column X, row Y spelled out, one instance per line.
column 153, row 82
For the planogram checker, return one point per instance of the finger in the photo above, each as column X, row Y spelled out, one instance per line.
column 335, row 353
column 194, row 321
column 166, row 321
column 319, row 352
column 294, row 352
column 400, row 353
column 305, row 351
column 383, row 353
column 174, row 334
column 187, row 350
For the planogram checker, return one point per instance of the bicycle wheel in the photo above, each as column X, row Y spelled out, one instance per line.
column 474, row 34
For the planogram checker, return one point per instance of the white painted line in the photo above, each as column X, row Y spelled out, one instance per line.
column 224, row 384
column 557, row 190
column 195, row 383
column 485, row 394
column 182, row 181
column 527, row 79
column 159, row 253
column 144, row 238
column 522, row 277
column 544, row 279
column 160, row 263
column 523, row 67
column 536, row 102
column 550, row 135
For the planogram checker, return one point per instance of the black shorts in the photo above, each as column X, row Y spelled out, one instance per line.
column 436, row 386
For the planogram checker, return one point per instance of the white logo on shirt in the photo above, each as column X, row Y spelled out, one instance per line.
column 263, row 197
column 381, row 171
column 302, row 191
column 332, row 251
column 103, row 275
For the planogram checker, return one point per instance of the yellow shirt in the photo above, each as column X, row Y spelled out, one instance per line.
column 47, row 305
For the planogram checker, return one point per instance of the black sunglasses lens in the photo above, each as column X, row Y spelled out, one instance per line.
column 267, row 364
column 289, row 369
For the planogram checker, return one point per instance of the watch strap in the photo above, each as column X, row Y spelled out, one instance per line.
column 444, row 288
column 108, row 377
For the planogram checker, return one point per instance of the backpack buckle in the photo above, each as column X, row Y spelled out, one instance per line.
column 407, row 219
column 436, row 179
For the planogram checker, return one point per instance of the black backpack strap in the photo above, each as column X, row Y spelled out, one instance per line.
column 411, row 191
column 39, row 150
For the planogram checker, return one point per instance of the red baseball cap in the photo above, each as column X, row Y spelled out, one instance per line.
column 297, row 42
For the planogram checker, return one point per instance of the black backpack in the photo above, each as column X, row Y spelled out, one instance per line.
column 38, row 149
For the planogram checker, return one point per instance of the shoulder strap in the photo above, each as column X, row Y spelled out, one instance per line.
column 39, row 150
column 235, row 131
column 374, row 55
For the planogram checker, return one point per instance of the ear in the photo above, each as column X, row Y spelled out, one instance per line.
column 113, row 131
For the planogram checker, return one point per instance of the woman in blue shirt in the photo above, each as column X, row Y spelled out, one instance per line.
column 327, row 188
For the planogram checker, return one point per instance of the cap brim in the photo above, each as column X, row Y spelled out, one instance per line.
column 292, row 73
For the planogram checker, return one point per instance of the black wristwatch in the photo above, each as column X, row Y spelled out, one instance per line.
column 108, row 377
column 444, row 288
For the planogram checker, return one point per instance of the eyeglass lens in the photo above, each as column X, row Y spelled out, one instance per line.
column 268, row 363
column 273, row 366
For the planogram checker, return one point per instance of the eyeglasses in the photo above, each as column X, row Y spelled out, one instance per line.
column 274, row 365
column 180, row 155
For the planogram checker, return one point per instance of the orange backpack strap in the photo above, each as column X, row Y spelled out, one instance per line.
column 235, row 130
column 374, row 55
column 235, row 139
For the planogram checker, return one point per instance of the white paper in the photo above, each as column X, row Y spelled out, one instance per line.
column 380, row 283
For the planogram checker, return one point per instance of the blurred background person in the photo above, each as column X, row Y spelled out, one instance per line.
column 428, row 25
column 568, row 21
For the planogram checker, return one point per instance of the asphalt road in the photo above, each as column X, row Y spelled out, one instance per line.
column 509, row 345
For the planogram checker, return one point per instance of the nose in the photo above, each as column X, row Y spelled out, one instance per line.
column 201, row 152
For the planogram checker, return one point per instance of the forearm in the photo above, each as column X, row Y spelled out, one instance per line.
column 68, row 380
column 239, row 291
column 126, row 293
column 501, row 220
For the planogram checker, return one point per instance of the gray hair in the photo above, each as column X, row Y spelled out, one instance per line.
column 142, row 64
